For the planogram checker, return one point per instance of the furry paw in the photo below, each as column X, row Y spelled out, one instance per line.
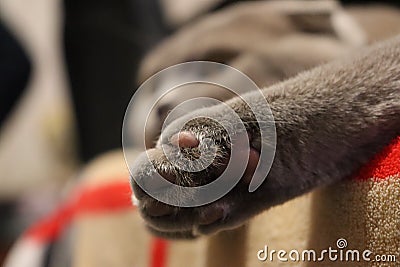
column 201, row 153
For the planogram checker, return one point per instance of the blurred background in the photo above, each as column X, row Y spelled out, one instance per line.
column 67, row 72
column 60, row 64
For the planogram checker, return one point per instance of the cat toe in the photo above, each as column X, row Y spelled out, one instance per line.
column 157, row 209
column 185, row 139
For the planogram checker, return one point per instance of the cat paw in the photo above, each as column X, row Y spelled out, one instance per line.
column 200, row 137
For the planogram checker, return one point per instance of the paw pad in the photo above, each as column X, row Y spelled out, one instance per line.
column 185, row 140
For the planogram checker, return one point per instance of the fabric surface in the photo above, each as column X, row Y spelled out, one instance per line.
column 364, row 210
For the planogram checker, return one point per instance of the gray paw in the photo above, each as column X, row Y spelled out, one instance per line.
column 187, row 222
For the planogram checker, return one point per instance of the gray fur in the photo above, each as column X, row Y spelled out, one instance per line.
column 330, row 121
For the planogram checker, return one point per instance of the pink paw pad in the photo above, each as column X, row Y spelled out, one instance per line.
column 185, row 139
